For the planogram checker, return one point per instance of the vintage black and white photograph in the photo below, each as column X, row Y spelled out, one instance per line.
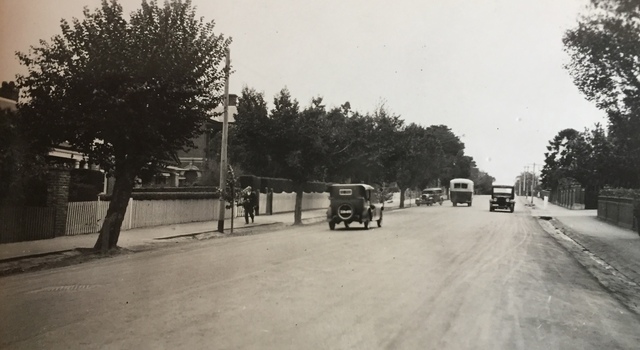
column 321, row 174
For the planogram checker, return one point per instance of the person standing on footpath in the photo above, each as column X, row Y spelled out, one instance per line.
column 248, row 203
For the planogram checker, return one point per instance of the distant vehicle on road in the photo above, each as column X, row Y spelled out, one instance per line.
column 353, row 203
column 461, row 191
column 502, row 197
column 431, row 196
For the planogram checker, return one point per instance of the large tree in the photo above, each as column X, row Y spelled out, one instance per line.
column 128, row 93
column 417, row 163
column 558, row 158
column 452, row 163
column 250, row 139
column 297, row 143
column 584, row 157
column 351, row 145
column 605, row 65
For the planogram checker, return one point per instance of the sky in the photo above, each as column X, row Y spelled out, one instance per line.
column 491, row 70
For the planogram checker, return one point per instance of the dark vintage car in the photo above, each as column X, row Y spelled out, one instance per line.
column 502, row 197
column 353, row 203
column 430, row 196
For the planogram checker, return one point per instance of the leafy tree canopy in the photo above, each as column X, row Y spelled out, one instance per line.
column 128, row 93
column 605, row 66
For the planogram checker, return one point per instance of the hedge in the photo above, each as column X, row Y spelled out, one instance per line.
column 620, row 192
column 276, row 185
column 176, row 189
column 168, row 195
column 250, row 180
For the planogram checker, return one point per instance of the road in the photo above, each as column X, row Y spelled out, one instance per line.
column 438, row 277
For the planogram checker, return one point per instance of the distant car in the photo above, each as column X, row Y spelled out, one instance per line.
column 502, row 197
column 353, row 203
column 430, row 196
column 461, row 191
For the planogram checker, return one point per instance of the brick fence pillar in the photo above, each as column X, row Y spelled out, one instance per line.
column 58, row 197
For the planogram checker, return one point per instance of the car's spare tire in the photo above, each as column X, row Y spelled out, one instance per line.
column 345, row 211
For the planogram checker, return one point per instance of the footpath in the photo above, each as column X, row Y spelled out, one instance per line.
column 615, row 250
column 23, row 256
column 134, row 238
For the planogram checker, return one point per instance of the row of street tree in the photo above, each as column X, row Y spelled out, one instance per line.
column 604, row 49
column 342, row 145
column 130, row 93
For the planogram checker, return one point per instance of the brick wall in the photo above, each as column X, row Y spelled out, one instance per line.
column 58, row 197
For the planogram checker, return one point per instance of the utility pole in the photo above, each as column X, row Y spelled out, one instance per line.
column 223, row 151
column 533, row 180
column 526, row 168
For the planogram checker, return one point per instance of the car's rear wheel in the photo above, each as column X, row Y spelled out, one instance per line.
column 332, row 226
column 491, row 208
column 513, row 207
column 455, row 204
column 366, row 223
column 380, row 222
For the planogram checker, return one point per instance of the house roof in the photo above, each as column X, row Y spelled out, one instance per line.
column 6, row 103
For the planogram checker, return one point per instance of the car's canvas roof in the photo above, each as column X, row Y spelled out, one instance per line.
column 467, row 181
column 432, row 189
column 503, row 186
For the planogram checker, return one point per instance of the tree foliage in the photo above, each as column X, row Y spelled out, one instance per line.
column 127, row 93
column 605, row 66
column 586, row 158
column 249, row 140
column 22, row 161
column 482, row 181
column 344, row 146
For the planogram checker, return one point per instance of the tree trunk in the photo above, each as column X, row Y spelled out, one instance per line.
column 297, row 213
column 110, row 231
column 402, row 191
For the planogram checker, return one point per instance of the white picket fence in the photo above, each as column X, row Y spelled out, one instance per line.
column 87, row 217
column 286, row 202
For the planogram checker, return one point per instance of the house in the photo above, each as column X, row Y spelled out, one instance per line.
column 195, row 161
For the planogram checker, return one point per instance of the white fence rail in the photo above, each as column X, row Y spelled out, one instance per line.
column 286, row 202
column 87, row 217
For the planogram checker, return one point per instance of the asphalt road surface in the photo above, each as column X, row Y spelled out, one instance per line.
column 438, row 277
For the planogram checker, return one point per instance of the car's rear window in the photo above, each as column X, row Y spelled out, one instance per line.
column 460, row 186
column 345, row 192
